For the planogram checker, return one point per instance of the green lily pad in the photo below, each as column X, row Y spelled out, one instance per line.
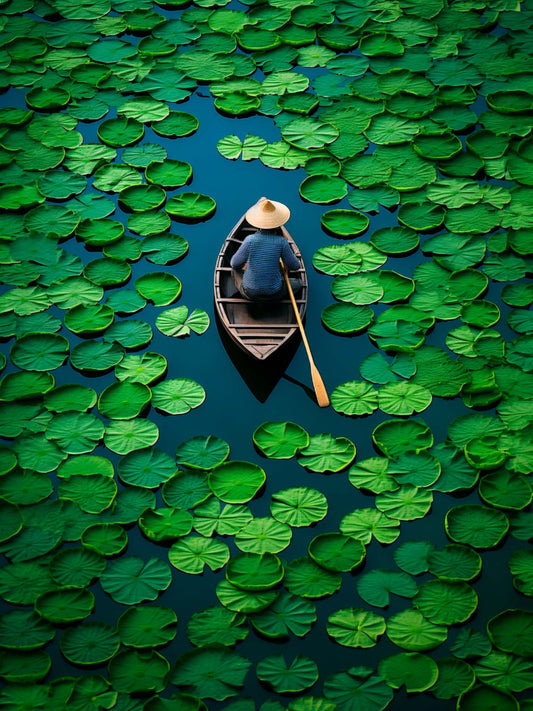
column 245, row 601
column 376, row 586
column 191, row 207
column 40, row 351
column 354, row 398
column 509, row 631
column 146, row 468
column 165, row 524
column 395, row 240
column 186, row 489
column 336, row 552
column 325, row 453
column 131, row 580
column 358, row 687
column 236, row 482
column 410, row 630
column 161, row 288
column 214, row 673
column 263, row 535
column 479, row 526
column 124, row 400
column 118, row 132
column 65, row 604
column 202, row 452
column 96, row 356
column 416, row 672
column 254, row 571
column 344, row 223
column 355, row 627
column 147, row 626
column 298, row 506
column 105, row 538
column 91, row 642
column 445, row 602
column 142, row 198
column 165, row 248
column 280, row 440
column 288, row 613
column 25, row 630
column 300, row 675
column 24, row 667
column 178, row 322
column 169, row 173
column 130, row 333
column 216, row 625
column 177, row 396
column 135, row 671
column 482, row 697
column 455, row 562
column 141, row 369
column 324, row 189
column 91, row 319
column 393, row 437
column 124, row 436
column 192, row 553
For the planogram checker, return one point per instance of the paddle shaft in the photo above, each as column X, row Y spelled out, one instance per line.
column 318, row 384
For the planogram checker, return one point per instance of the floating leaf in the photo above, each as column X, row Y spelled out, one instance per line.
column 193, row 553
column 254, row 571
column 216, row 625
column 344, row 223
column 326, row 453
column 131, row 580
column 191, row 207
column 417, row 672
column 410, row 630
column 336, row 552
column 323, row 189
column 124, row 400
column 40, row 351
column 236, row 482
column 476, row 525
column 358, row 687
column 141, row 369
column 177, row 396
column 280, row 440
column 138, row 672
column 179, row 322
column 213, row 673
column 355, row 627
column 263, row 535
column 91, row 642
column 300, row 675
column 288, row 613
column 165, row 524
column 66, row 604
column 105, row 538
column 298, row 506
column 375, row 586
column 123, row 436
column 202, row 452
column 186, row 489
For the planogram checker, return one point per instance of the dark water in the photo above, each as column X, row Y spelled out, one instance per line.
column 238, row 402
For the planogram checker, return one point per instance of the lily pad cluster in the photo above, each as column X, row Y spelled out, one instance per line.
column 389, row 118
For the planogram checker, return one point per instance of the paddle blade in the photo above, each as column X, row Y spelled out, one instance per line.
column 320, row 389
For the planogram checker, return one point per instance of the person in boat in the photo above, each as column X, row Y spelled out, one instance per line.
column 256, row 264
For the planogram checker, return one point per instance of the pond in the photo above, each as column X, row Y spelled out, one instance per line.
column 182, row 527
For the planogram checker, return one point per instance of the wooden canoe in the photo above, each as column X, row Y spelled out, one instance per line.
column 260, row 328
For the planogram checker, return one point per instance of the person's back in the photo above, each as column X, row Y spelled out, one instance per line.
column 261, row 252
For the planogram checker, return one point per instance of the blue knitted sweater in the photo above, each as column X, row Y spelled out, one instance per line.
column 261, row 253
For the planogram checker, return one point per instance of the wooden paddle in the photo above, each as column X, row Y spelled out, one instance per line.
column 318, row 384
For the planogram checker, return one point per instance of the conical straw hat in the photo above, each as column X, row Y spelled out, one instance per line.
column 268, row 214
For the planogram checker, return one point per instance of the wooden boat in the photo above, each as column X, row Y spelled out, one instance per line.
column 260, row 328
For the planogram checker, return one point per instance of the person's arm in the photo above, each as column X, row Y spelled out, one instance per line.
column 241, row 255
column 289, row 258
